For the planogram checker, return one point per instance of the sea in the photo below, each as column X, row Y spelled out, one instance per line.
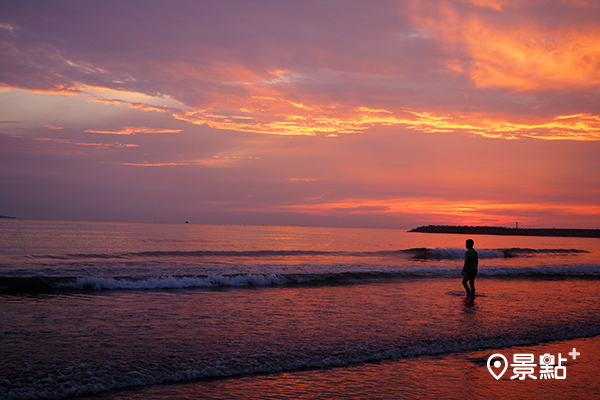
column 114, row 310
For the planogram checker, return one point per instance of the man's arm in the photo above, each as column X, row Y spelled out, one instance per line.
column 467, row 261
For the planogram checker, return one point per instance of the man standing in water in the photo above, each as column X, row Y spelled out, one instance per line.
column 470, row 269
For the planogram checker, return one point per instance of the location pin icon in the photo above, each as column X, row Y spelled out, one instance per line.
column 495, row 367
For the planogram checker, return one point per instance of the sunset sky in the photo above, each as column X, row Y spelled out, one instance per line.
column 331, row 112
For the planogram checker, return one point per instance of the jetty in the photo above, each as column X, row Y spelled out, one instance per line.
column 499, row 230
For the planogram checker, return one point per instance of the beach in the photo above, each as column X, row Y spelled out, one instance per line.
column 442, row 377
column 156, row 311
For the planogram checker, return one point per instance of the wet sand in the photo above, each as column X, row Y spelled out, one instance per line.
column 450, row 376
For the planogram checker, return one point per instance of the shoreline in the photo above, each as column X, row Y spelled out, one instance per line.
column 503, row 231
column 442, row 376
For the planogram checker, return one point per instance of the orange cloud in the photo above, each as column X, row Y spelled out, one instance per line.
column 141, row 106
column 314, row 120
column 270, row 112
column 215, row 161
column 533, row 59
column 444, row 211
column 519, row 54
column 53, row 127
column 107, row 101
column 147, row 107
column 222, row 160
column 130, row 130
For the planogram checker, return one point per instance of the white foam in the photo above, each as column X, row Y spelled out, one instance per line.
column 171, row 282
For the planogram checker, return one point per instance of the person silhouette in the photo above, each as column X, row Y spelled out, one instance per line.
column 469, row 270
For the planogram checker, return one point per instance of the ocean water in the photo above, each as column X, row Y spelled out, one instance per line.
column 155, row 311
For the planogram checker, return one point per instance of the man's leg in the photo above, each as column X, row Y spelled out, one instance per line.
column 464, row 282
column 472, row 284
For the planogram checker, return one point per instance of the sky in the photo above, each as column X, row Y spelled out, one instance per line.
column 389, row 114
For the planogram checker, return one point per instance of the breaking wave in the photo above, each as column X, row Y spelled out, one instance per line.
column 47, row 284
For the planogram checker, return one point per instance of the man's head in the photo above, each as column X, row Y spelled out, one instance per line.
column 470, row 243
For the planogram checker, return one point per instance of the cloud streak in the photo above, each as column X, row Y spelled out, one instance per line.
column 131, row 130
column 98, row 145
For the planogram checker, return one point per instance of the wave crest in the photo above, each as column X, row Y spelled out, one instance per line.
column 43, row 284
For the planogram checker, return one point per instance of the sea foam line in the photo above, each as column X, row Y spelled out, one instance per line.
column 347, row 277
column 331, row 275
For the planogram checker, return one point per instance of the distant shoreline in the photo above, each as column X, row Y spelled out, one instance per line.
column 4, row 216
column 495, row 230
